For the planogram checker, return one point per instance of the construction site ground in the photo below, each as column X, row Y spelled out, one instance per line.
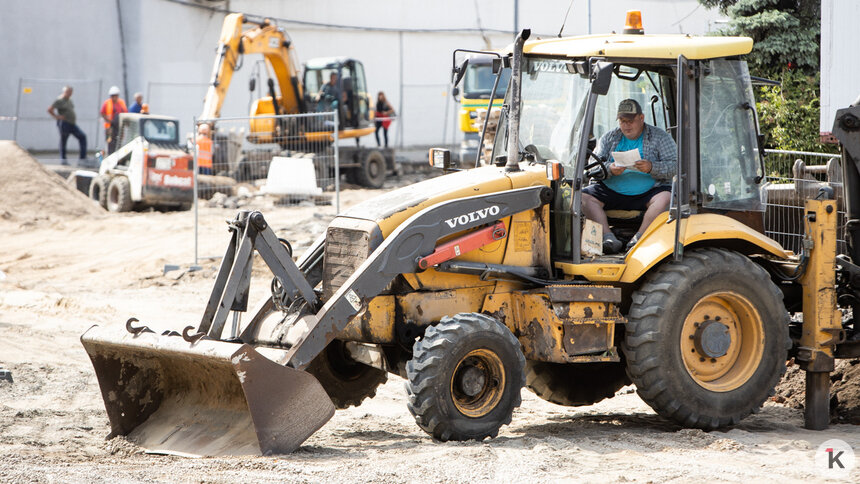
column 67, row 265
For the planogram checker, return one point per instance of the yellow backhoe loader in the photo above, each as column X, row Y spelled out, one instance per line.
column 475, row 284
column 292, row 92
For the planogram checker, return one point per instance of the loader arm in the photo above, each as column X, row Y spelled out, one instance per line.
column 266, row 39
column 400, row 254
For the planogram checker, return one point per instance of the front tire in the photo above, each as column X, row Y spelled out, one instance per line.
column 99, row 189
column 346, row 381
column 371, row 172
column 707, row 339
column 465, row 377
column 119, row 195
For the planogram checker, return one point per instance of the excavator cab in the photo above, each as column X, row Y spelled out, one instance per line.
column 348, row 96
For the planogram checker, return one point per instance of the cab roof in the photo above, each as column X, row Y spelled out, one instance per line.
column 640, row 46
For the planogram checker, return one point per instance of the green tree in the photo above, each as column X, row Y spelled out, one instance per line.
column 786, row 36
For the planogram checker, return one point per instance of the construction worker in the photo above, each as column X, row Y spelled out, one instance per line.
column 63, row 110
column 204, row 150
column 110, row 112
column 138, row 103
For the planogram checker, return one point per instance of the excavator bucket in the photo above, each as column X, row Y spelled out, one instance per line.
column 207, row 398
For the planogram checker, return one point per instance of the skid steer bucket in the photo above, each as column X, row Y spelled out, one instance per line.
column 204, row 398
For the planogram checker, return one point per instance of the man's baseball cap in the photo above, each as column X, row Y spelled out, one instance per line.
column 113, row 91
column 629, row 108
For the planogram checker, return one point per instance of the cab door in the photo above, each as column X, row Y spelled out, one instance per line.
column 356, row 99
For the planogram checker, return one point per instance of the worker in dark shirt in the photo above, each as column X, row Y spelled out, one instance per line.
column 63, row 110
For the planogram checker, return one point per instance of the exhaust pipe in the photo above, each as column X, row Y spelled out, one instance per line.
column 513, row 163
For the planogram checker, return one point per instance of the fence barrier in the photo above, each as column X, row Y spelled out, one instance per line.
column 292, row 158
column 794, row 176
column 35, row 130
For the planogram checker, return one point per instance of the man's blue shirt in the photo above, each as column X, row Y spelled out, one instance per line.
column 656, row 146
column 631, row 182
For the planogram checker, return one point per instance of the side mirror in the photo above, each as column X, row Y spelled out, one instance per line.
column 455, row 91
column 252, row 84
column 601, row 77
column 460, row 71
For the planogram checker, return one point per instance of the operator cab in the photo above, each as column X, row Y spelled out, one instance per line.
column 154, row 129
column 351, row 101
column 563, row 113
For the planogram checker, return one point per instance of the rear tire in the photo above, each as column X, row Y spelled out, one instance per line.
column 575, row 384
column 372, row 171
column 99, row 189
column 465, row 377
column 119, row 195
column 707, row 339
column 347, row 382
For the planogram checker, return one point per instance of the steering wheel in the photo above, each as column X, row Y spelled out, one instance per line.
column 596, row 169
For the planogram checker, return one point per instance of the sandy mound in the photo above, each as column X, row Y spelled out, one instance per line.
column 844, row 390
column 29, row 191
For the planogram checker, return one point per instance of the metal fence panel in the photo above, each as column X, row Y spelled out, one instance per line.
column 36, row 130
column 291, row 159
column 794, row 176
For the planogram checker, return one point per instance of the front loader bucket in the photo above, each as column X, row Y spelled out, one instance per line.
column 206, row 398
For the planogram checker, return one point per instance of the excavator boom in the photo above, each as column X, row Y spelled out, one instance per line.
column 263, row 38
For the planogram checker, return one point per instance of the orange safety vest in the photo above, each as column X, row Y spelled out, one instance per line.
column 204, row 152
column 107, row 109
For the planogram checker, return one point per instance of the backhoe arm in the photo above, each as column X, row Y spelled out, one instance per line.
column 264, row 38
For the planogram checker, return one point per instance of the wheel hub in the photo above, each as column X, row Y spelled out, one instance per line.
column 477, row 383
column 472, row 381
column 722, row 341
column 712, row 339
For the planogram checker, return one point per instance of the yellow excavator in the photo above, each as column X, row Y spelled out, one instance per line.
column 291, row 91
column 475, row 284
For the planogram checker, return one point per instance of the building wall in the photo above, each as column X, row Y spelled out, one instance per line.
column 840, row 73
column 170, row 50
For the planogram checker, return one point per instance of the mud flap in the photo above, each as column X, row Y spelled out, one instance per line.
column 208, row 398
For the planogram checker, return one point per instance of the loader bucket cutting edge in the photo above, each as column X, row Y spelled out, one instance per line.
column 210, row 398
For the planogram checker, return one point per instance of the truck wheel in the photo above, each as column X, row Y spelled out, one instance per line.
column 465, row 377
column 372, row 171
column 575, row 384
column 99, row 189
column 346, row 381
column 707, row 339
column 119, row 195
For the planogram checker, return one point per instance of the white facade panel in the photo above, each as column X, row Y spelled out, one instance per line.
column 170, row 50
column 840, row 71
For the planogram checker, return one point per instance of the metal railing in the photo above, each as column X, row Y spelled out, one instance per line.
column 288, row 159
column 793, row 177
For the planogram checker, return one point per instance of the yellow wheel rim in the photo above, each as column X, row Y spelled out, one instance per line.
column 477, row 383
column 722, row 341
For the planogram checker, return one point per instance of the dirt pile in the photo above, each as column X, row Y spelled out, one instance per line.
column 844, row 390
column 29, row 191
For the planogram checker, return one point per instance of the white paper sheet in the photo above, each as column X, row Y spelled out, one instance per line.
column 626, row 158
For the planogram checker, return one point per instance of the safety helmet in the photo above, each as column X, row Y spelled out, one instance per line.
column 113, row 91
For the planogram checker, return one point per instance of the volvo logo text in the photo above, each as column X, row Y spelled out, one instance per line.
column 473, row 216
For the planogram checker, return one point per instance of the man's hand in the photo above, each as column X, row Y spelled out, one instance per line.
column 643, row 165
column 615, row 169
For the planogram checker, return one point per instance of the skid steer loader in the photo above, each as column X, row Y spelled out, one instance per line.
column 474, row 284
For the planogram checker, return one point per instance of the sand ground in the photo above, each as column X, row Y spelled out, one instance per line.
column 63, row 272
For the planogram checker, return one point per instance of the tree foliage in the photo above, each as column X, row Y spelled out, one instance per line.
column 786, row 47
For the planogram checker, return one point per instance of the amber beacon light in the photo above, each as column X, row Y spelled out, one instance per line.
column 633, row 24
